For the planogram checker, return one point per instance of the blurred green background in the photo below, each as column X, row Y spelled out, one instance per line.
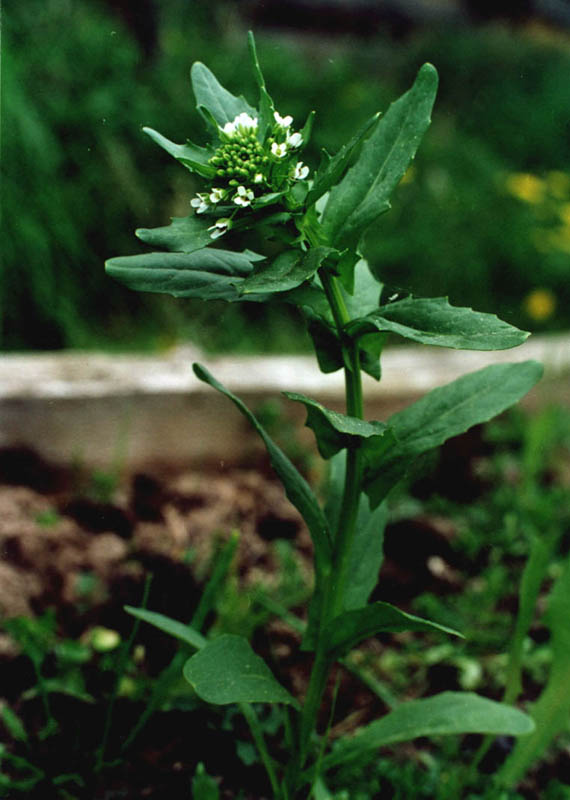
column 483, row 215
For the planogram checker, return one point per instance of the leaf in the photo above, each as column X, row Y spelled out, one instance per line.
column 333, row 168
column 227, row 670
column 366, row 553
column 287, row 271
column 211, row 95
column 334, row 431
column 365, row 297
column 194, row 157
column 352, row 627
column 266, row 106
column 445, row 412
column 307, row 128
column 172, row 627
column 448, row 713
column 552, row 709
column 434, row 321
column 296, row 487
column 207, row 274
column 183, row 235
column 364, row 192
column 203, row 786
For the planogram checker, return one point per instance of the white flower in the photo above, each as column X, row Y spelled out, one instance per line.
column 243, row 120
column 229, row 128
column 295, row 140
column 216, row 195
column 243, row 197
column 279, row 150
column 301, row 171
column 258, row 178
column 243, row 123
column 220, row 227
column 283, row 122
column 199, row 203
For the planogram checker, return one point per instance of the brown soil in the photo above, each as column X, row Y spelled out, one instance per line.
column 86, row 557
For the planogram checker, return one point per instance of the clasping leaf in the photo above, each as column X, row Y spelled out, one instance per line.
column 335, row 431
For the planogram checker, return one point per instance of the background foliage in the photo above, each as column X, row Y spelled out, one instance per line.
column 483, row 216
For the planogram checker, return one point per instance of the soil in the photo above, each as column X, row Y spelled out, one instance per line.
column 86, row 556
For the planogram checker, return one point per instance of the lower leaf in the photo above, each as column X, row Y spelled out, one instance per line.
column 448, row 713
column 227, row 670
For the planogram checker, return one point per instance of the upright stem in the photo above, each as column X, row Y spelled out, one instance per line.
column 344, row 535
column 354, row 408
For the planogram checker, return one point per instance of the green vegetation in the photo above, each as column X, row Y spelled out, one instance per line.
column 519, row 468
column 77, row 179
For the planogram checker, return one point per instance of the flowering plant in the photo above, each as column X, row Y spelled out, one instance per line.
column 312, row 224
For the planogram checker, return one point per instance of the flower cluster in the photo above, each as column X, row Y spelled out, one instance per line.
column 247, row 168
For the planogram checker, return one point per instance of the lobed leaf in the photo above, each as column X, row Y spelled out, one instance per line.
column 194, row 157
column 445, row 412
column 334, row 431
column 364, row 192
column 226, row 670
column 448, row 713
column 434, row 321
column 211, row 95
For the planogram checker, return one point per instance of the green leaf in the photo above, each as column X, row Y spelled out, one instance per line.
column 227, row 670
column 334, row 431
column 434, row 321
column 208, row 274
column 183, row 235
column 307, row 128
column 296, row 487
column 211, row 95
column 448, row 713
column 445, row 412
column 266, row 106
column 364, row 298
column 364, row 192
column 552, row 709
column 193, row 157
column 203, row 786
column 287, row 271
column 333, row 168
column 325, row 342
column 352, row 627
column 168, row 625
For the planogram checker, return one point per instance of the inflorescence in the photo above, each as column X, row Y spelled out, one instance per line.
column 247, row 169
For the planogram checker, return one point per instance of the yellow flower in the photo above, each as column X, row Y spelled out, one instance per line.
column 526, row 187
column 540, row 304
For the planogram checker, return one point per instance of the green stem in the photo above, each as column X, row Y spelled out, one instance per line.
column 120, row 671
column 257, row 733
column 333, row 600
